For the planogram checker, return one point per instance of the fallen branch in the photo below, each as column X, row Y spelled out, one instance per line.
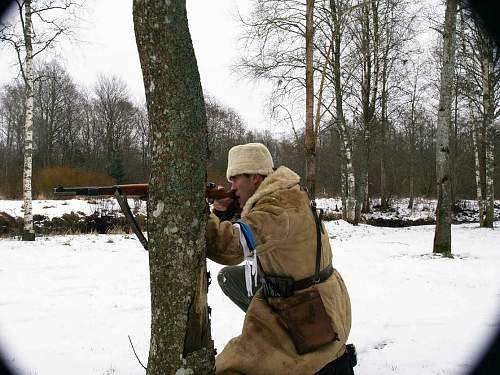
column 132, row 345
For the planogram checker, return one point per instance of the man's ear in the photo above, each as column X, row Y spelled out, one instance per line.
column 257, row 179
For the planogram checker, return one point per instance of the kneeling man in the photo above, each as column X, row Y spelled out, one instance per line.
column 299, row 319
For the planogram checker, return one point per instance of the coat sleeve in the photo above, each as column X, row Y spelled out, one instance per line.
column 223, row 241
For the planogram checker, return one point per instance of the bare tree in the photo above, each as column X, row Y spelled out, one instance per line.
column 180, row 326
column 415, row 91
column 12, row 114
column 30, row 43
column 114, row 114
column 309, row 136
column 442, row 235
column 365, row 33
column 142, row 136
column 225, row 130
column 479, row 61
column 339, row 16
column 397, row 19
column 55, row 115
column 281, row 47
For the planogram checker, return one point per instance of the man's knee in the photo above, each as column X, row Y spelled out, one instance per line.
column 228, row 278
column 222, row 278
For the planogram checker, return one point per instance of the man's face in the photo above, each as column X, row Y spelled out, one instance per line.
column 244, row 186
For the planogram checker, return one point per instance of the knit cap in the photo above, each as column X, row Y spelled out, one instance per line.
column 251, row 158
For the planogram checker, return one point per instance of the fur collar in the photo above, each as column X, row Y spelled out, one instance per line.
column 281, row 178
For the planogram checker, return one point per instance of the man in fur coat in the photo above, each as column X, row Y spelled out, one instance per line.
column 277, row 218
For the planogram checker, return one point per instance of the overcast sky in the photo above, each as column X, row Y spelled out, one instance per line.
column 109, row 48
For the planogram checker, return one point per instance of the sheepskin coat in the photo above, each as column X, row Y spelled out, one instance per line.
column 284, row 229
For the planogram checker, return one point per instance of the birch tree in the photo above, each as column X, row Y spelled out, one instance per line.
column 416, row 89
column 281, row 47
column 27, row 44
column 339, row 16
column 365, row 33
column 396, row 34
column 442, row 234
column 180, row 326
column 480, row 85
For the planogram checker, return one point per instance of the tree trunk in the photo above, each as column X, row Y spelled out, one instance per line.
column 348, row 184
column 180, row 326
column 350, row 193
column 442, row 234
column 369, row 92
column 453, row 150
column 384, row 200
column 412, row 159
column 28, row 231
column 489, row 135
column 310, row 137
column 479, row 193
column 343, row 182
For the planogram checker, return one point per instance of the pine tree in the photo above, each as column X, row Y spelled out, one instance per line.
column 117, row 171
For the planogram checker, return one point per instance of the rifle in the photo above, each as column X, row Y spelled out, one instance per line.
column 122, row 192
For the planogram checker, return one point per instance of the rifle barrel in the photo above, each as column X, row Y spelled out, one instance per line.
column 130, row 190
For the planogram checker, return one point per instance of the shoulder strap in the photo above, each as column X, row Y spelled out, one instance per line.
column 319, row 230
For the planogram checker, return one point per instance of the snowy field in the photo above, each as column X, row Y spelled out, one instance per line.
column 56, row 208
column 68, row 303
column 423, row 209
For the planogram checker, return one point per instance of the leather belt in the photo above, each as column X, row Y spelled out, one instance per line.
column 324, row 274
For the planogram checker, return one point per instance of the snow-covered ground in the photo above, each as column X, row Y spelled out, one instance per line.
column 68, row 303
column 56, row 208
column 423, row 209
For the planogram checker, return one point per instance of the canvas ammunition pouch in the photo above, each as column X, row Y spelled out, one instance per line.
column 303, row 314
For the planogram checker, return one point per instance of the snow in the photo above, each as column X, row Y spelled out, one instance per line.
column 56, row 208
column 69, row 302
column 422, row 209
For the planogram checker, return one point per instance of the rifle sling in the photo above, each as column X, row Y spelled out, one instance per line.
column 319, row 275
column 122, row 201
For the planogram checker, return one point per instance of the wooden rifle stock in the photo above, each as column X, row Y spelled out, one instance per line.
column 121, row 192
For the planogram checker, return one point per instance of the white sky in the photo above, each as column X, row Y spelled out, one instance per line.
column 109, row 48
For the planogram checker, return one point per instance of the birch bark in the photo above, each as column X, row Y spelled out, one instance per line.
column 348, row 182
column 412, row 150
column 28, row 231
column 489, row 134
column 442, row 234
column 369, row 93
column 479, row 193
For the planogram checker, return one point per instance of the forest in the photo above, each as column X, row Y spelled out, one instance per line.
column 376, row 97
column 383, row 84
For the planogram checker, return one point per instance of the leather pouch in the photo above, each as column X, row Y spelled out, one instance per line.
column 305, row 319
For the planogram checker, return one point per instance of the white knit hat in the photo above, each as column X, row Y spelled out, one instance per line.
column 252, row 158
